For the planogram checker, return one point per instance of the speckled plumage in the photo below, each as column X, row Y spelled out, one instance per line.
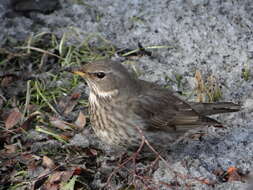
column 120, row 104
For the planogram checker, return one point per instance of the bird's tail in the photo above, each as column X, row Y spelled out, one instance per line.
column 215, row 108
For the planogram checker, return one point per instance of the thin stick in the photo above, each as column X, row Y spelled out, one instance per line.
column 42, row 51
column 132, row 157
column 27, row 100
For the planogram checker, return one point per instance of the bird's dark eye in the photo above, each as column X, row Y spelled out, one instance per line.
column 100, row 75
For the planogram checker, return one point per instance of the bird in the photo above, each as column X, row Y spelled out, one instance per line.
column 124, row 108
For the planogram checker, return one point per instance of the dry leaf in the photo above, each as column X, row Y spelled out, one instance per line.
column 26, row 158
column 75, row 96
column 27, row 124
column 68, row 103
column 213, row 89
column 233, row 175
column 93, row 152
column 56, row 179
column 66, row 175
column 32, row 167
column 77, row 171
column 200, row 87
column 65, row 136
column 6, row 81
column 11, row 148
column 13, row 118
column 48, row 162
column 58, row 123
column 81, row 120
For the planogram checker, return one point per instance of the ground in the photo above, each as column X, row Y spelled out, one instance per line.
column 202, row 49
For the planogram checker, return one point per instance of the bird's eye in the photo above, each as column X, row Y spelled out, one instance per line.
column 100, row 75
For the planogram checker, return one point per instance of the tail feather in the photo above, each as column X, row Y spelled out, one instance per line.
column 215, row 108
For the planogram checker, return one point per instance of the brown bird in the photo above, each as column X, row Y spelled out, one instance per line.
column 121, row 106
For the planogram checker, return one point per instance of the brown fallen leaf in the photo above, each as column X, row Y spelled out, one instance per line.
column 56, row 179
column 48, row 162
column 26, row 157
column 233, row 175
column 60, row 124
column 51, row 186
column 67, row 175
column 75, row 96
column 67, row 104
column 33, row 168
column 13, row 118
column 213, row 89
column 81, row 120
column 200, row 88
column 65, row 136
column 11, row 148
column 27, row 124
column 93, row 152
column 6, row 81
column 77, row 171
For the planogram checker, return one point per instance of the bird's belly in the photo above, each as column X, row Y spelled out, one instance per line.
column 123, row 129
column 114, row 128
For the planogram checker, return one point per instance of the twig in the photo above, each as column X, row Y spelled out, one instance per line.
column 132, row 157
column 204, row 181
column 41, row 51
column 151, row 147
column 27, row 100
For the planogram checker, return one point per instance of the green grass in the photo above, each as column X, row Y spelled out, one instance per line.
column 246, row 73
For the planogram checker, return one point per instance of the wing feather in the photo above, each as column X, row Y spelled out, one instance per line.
column 161, row 109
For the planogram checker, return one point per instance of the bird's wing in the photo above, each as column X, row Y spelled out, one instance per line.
column 215, row 108
column 161, row 109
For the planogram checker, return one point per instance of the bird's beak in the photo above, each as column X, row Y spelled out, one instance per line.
column 78, row 71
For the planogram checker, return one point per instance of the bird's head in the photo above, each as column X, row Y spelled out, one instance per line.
column 107, row 78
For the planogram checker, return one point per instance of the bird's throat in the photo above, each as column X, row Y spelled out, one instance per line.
column 96, row 97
